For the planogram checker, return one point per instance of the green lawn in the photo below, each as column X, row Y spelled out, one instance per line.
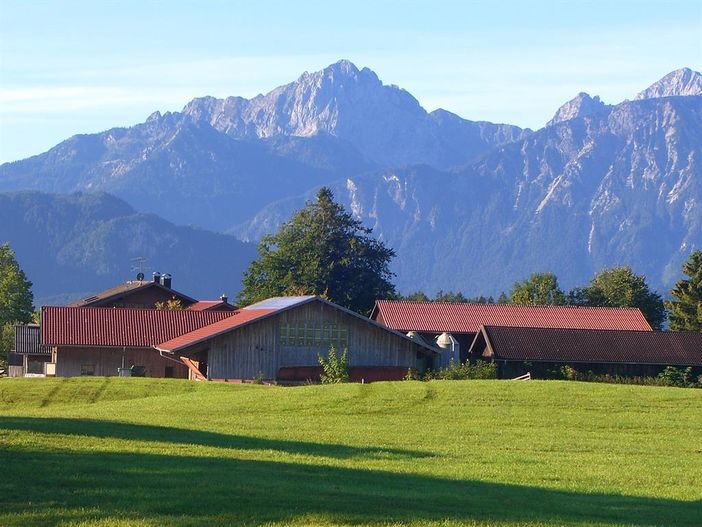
column 109, row 451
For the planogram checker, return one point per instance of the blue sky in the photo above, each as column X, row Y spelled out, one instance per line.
column 77, row 67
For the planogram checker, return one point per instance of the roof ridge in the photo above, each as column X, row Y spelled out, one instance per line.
column 539, row 328
column 547, row 306
column 132, row 309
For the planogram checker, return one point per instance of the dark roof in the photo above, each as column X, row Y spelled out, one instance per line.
column 28, row 340
column 264, row 309
column 439, row 317
column 675, row 348
column 108, row 326
column 125, row 288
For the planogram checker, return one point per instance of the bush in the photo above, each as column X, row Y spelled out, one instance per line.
column 335, row 368
column 466, row 370
column 670, row 376
column 677, row 377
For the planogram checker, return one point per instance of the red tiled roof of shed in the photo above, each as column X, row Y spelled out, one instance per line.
column 209, row 305
column 104, row 326
column 437, row 317
column 235, row 320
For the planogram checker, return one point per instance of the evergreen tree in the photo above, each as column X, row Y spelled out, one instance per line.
column 450, row 297
column 685, row 311
column 540, row 289
column 323, row 251
column 621, row 287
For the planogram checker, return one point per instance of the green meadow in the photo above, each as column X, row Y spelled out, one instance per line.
column 147, row 452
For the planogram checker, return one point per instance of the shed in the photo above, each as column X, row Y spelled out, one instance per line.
column 29, row 356
column 517, row 350
column 282, row 338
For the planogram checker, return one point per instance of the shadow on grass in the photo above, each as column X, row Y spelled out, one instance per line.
column 140, row 432
column 196, row 490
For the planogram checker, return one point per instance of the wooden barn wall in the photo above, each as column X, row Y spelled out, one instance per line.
column 15, row 371
column 256, row 350
column 106, row 361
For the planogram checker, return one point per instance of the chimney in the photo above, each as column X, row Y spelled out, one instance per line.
column 166, row 280
column 224, row 298
column 157, row 277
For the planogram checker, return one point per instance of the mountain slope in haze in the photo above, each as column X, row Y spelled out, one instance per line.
column 71, row 245
column 185, row 171
column 618, row 185
column 218, row 162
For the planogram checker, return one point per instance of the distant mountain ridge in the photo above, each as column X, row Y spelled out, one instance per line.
column 71, row 245
column 219, row 161
column 468, row 206
column 385, row 123
column 678, row 83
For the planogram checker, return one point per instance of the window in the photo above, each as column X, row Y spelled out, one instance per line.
column 311, row 335
column 87, row 369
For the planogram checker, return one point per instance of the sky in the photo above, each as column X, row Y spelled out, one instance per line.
column 69, row 67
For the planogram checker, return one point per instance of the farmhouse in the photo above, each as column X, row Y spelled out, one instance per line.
column 145, row 294
column 453, row 327
column 282, row 338
column 645, row 353
column 101, row 341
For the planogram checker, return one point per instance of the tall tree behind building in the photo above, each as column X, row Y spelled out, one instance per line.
column 323, row 251
column 686, row 308
column 621, row 287
column 15, row 299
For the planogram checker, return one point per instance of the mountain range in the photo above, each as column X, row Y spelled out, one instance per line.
column 470, row 206
column 73, row 245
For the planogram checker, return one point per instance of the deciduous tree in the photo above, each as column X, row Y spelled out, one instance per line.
column 540, row 289
column 15, row 298
column 621, row 287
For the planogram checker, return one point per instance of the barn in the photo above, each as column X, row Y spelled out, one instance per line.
column 518, row 350
column 282, row 338
column 453, row 326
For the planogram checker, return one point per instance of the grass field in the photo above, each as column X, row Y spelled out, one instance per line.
column 109, row 451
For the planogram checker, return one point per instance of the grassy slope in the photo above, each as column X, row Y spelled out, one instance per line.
column 148, row 452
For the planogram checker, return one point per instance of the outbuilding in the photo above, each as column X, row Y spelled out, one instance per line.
column 539, row 351
column 103, row 341
column 282, row 339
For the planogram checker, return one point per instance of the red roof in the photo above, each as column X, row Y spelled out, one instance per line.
column 207, row 305
column 105, row 326
column 236, row 319
column 437, row 317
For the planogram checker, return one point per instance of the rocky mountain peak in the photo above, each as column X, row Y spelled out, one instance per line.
column 680, row 82
column 581, row 105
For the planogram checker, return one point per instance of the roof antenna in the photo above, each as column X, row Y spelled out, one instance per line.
column 139, row 265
